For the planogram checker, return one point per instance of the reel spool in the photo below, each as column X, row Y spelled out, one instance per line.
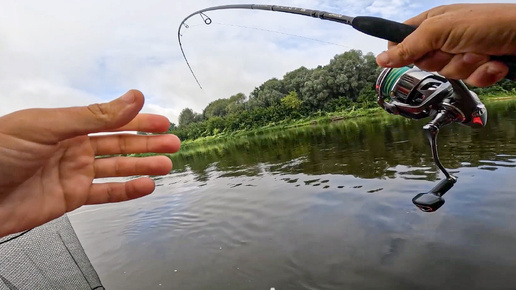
column 417, row 94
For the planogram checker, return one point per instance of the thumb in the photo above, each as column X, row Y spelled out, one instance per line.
column 50, row 126
column 400, row 55
column 416, row 45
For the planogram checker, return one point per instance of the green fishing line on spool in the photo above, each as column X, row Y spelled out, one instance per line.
column 391, row 79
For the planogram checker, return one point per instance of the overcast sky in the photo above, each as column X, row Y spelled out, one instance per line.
column 57, row 53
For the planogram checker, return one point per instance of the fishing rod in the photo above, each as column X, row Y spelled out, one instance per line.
column 374, row 26
column 408, row 91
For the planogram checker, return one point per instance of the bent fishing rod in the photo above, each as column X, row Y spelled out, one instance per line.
column 374, row 26
column 409, row 92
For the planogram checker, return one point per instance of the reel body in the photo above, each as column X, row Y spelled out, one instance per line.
column 417, row 94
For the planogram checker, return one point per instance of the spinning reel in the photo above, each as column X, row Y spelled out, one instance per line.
column 417, row 94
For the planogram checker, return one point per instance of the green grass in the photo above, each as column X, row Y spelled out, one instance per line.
column 220, row 141
column 497, row 95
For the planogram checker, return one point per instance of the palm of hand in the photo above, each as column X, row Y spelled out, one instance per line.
column 48, row 161
column 50, row 181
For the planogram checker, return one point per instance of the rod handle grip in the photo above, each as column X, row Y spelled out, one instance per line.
column 396, row 32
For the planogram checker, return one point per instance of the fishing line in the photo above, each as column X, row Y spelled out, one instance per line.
column 293, row 10
column 272, row 31
column 208, row 21
column 413, row 93
column 282, row 33
column 374, row 26
column 259, row 29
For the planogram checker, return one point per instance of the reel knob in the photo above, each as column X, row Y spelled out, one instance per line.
column 428, row 202
column 433, row 200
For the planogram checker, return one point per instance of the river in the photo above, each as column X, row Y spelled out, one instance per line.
column 322, row 207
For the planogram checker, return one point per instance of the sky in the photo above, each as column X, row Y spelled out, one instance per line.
column 60, row 53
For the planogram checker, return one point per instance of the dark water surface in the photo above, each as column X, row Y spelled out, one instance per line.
column 326, row 207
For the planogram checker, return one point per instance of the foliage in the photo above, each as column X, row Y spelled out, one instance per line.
column 344, row 86
column 188, row 116
column 503, row 88
column 291, row 101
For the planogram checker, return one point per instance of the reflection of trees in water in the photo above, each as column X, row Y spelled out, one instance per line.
column 376, row 147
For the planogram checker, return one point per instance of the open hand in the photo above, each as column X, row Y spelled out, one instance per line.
column 48, row 161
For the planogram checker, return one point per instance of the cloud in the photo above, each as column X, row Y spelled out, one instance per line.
column 71, row 52
column 28, row 93
column 391, row 9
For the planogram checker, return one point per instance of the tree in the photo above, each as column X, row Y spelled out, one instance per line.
column 347, row 81
column 367, row 97
column 268, row 94
column 344, row 70
column 295, row 80
column 217, row 108
column 238, row 98
column 236, row 103
column 186, row 117
column 291, row 101
column 215, row 125
column 316, row 90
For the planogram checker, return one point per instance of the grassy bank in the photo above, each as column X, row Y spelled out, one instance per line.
column 213, row 142
column 220, row 141
column 494, row 98
column 216, row 142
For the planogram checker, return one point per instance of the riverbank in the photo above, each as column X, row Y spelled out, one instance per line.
column 218, row 141
column 212, row 142
column 498, row 98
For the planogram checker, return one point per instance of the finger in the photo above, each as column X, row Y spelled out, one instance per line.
column 117, row 192
column 434, row 61
column 404, row 53
column 461, row 66
column 150, row 123
column 417, row 20
column 428, row 37
column 414, row 21
column 127, row 144
column 131, row 166
column 488, row 74
column 49, row 126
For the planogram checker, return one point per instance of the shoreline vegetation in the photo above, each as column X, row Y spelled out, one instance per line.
column 208, row 143
column 204, row 144
column 340, row 90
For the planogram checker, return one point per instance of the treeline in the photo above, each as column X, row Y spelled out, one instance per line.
column 346, row 82
column 504, row 87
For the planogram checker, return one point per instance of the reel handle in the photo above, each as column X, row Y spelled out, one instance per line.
column 396, row 32
column 432, row 200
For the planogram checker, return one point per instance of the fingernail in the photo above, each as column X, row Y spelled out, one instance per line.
column 383, row 59
column 128, row 97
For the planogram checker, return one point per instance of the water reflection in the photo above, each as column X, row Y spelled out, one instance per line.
column 379, row 147
column 320, row 208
